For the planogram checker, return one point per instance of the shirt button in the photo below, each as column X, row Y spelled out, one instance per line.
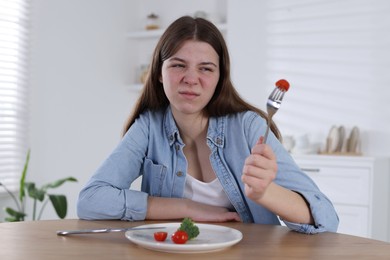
column 171, row 137
column 219, row 141
column 179, row 174
column 177, row 147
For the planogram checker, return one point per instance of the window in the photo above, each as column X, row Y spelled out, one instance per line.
column 13, row 90
column 337, row 52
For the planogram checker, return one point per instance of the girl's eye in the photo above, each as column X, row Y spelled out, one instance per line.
column 178, row 65
column 206, row 69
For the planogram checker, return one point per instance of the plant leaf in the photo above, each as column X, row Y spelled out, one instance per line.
column 23, row 177
column 11, row 219
column 33, row 192
column 58, row 183
column 16, row 215
column 60, row 204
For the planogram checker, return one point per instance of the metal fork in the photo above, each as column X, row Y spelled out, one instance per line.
column 273, row 104
column 102, row 230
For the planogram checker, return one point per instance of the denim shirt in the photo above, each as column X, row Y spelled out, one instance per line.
column 152, row 148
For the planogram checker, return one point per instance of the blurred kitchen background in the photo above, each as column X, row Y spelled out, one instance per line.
column 85, row 61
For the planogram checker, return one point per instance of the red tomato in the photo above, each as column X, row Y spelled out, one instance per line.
column 160, row 236
column 283, row 84
column 179, row 237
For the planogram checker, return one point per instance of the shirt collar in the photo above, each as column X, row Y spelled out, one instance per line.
column 215, row 132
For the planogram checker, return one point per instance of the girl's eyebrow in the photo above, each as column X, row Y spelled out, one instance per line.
column 176, row 59
column 209, row 63
column 202, row 63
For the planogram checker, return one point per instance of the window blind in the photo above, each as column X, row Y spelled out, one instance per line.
column 335, row 54
column 14, row 25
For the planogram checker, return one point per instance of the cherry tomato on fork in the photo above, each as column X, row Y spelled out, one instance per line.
column 179, row 237
column 160, row 236
column 282, row 84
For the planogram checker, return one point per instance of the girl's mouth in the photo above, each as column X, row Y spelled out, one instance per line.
column 188, row 94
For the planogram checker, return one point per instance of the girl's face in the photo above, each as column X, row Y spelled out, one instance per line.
column 190, row 77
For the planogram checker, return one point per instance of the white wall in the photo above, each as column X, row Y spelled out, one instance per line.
column 80, row 73
column 247, row 46
column 79, row 101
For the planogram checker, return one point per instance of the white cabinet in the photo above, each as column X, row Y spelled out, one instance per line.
column 359, row 189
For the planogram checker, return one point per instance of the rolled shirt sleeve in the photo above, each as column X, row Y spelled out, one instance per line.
column 324, row 215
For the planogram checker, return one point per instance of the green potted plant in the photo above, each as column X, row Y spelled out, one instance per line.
column 41, row 194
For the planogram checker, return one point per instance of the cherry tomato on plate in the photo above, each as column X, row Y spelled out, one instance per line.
column 179, row 237
column 160, row 236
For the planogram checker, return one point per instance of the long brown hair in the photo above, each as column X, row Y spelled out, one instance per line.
column 225, row 100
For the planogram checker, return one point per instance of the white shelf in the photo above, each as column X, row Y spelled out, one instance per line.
column 145, row 34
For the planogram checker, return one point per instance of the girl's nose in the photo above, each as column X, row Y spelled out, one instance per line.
column 190, row 77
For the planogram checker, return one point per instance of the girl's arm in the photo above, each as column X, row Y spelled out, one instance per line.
column 177, row 208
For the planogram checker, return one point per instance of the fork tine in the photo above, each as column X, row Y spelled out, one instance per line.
column 277, row 94
column 280, row 95
column 273, row 93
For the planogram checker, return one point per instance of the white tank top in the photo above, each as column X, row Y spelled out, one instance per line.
column 210, row 193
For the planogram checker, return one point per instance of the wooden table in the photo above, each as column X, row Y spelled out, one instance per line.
column 38, row 240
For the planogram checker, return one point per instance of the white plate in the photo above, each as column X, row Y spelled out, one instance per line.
column 211, row 238
column 340, row 144
column 353, row 140
column 333, row 139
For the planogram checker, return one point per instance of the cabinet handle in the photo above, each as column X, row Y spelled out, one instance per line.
column 310, row 169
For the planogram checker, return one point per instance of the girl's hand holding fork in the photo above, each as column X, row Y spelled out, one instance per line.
column 259, row 172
